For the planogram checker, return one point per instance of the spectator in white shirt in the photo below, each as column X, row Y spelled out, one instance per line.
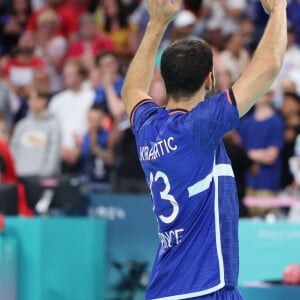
column 224, row 14
column 290, row 71
column 71, row 107
column 235, row 57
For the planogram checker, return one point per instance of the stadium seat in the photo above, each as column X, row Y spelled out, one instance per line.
column 67, row 194
column 8, row 199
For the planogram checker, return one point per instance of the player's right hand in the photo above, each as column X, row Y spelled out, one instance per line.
column 268, row 5
column 163, row 11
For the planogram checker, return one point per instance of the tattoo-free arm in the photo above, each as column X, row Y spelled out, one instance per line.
column 140, row 72
column 267, row 60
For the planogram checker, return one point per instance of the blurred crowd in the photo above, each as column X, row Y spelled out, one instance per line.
column 62, row 67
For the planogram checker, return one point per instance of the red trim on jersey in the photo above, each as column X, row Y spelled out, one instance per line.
column 136, row 106
column 228, row 97
column 231, row 97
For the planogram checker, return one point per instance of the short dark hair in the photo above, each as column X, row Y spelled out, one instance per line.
column 81, row 69
column 184, row 66
column 41, row 93
column 292, row 95
column 99, row 107
column 122, row 17
column 103, row 54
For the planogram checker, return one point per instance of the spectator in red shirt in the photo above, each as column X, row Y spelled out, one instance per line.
column 90, row 43
column 80, row 7
column 66, row 15
column 19, row 70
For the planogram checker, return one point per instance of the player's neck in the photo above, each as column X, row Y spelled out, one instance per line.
column 187, row 103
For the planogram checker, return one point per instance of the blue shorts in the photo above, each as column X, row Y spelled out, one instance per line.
column 226, row 293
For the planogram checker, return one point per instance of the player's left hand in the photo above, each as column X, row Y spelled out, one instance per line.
column 163, row 11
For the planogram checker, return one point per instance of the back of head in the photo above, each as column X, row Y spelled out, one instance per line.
column 184, row 66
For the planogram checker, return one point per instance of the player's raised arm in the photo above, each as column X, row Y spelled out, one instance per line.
column 267, row 60
column 140, row 72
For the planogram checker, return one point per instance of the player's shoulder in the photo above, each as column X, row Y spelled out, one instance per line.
column 143, row 110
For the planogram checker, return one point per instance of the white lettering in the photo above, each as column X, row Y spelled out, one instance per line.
column 174, row 148
column 171, row 238
column 161, row 147
column 158, row 149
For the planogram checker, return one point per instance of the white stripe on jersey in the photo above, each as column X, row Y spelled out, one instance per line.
column 220, row 170
column 203, row 185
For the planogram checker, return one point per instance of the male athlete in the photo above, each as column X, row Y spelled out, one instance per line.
column 181, row 151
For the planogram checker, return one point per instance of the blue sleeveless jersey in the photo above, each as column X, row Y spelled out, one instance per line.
column 193, row 195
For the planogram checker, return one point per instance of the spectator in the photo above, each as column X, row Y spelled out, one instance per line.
column 90, row 42
column 10, row 31
column 4, row 4
column 285, row 85
column 290, row 68
column 19, row 73
column 36, row 139
column 130, row 176
column 80, row 7
column 225, row 15
column 293, row 12
column 193, row 5
column 290, row 110
column 41, row 79
column 71, row 107
column 247, row 31
column 21, row 10
column 183, row 25
column 223, row 78
column 140, row 17
column 255, row 12
column 19, row 70
column 115, row 25
column 262, row 135
column 95, row 151
column 241, row 163
column 38, row 4
column 182, row 28
column 67, row 19
column 51, row 47
column 234, row 57
column 111, row 82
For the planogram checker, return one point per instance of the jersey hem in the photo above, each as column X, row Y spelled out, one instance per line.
column 194, row 294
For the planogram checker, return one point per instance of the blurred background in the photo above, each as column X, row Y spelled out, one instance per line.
column 76, row 221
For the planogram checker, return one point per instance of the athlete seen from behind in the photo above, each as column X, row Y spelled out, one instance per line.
column 181, row 151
